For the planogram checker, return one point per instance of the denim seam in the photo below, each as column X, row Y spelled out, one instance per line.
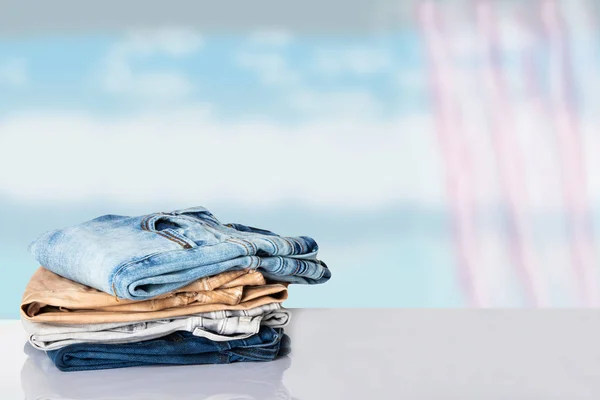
column 188, row 242
column 191, row 219
column 281, row 264
column 250, row 262
column 240, row 242
column 273, row 244
column 120, row 269
column 143, row 222
column 252, row 245
column 322, row 271
column 290, row 243
column 187, row 214
column 145, row 225
column 306, row 265
column 174, row 239
column 294, row 242
column 232, row 240
column 304, row 250
column 295, row 273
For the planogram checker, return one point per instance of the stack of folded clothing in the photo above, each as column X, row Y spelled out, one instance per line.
column 164, row 288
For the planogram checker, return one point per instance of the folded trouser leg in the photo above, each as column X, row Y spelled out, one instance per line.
column 178, row 348
column 52, row 337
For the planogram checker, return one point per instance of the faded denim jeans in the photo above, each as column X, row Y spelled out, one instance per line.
column 216, row 326
column 178, row 348
column 146, row 256
column 40, row 379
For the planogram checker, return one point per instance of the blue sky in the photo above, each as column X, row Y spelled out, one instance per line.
column 238, row 76
column 308, row 119
column 331, row 136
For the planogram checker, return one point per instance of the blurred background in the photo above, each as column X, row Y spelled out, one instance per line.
column 442, row 154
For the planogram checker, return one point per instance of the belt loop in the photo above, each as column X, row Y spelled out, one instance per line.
column 115, row 292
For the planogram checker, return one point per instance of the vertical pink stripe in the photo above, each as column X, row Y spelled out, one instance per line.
column 572, row 159
column 456, row 184
column 510, row 165
column 543, row 116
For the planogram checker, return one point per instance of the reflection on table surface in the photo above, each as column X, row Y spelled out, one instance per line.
column 40, row 379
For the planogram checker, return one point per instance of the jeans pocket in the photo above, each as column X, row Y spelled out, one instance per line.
column 251, row 229
column 185, row 231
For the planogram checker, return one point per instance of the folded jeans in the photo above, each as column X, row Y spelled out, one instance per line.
column 40, row 379
column 178, row 348
column 44, row 336
column 146, row 256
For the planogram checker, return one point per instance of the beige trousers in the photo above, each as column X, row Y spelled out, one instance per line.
column 52, row 298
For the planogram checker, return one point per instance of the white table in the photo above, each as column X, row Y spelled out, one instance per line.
column 358, row 354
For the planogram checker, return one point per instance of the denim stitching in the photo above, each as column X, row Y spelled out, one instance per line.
column 273, row 244
column 245, row 244
column 127, row 265
column 290, row 243
column 257, row 262
column 297, row 267
column 300, row 241
column 174, row 239
column 252, row 245
column 322, row 271
column 181, row 238
column 149, row 218
column 145, row 224
column 238, row 242
column 280, row 266
column 294, row 242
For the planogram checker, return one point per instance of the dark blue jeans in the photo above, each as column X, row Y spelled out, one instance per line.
column 178, row 348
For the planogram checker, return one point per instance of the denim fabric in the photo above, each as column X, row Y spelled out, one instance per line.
column 178, row 348
column 40, row 379
column 143, row 257
column 53, row 336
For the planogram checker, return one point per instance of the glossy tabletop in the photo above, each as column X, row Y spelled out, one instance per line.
column 357, row 354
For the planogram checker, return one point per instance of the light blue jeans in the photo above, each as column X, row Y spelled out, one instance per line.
column 143, row 257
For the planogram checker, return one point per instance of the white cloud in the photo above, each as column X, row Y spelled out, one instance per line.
column 13, row 72
column 175, row 42
column 271, row 68
column 188, row 157
column 346, row 104
column 356, row 60
column 120, row 77
column 148, row 85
